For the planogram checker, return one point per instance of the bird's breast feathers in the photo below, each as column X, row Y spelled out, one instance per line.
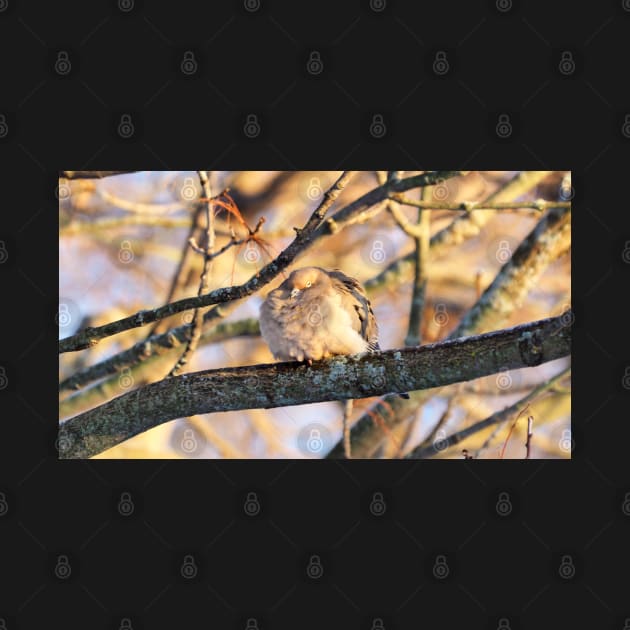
column 308, row 327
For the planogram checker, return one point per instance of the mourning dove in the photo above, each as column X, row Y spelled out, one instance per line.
column 315, row 314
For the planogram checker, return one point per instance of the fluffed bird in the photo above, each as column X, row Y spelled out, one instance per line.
column 318, row 313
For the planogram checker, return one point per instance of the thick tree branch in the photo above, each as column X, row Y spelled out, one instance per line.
column 547, row 241
column 155, row 346
column 144, row 371
column 340, row 378
column 363, row 208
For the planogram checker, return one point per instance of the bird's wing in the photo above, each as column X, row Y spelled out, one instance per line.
column 355, row 302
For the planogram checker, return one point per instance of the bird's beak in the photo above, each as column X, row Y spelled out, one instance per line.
column 295, row 292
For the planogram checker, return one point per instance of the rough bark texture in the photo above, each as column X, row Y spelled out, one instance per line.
column 282, row 384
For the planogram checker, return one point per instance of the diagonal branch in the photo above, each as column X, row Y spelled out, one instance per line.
column 340, row 378
column 91, row 336
column 315, row 228
column 195, row 330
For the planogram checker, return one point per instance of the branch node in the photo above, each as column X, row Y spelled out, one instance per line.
column 333, row 227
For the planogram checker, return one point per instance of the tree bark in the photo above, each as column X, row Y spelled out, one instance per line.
column 340, row 378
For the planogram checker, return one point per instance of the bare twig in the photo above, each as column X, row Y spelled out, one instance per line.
column 442, row 420
column 511, row 430
column 467, row 206
column 234, row 242
column 195, row 330
column 180, row 271
column 372, row 202
column 293, row 383
column 415, row 231
column 530, row 431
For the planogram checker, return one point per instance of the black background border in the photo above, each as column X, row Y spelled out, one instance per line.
column 377, row 59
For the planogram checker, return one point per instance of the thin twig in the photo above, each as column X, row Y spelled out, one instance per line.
column 197, row 322
column 442, row 420
column 511, row 430
column 180, row 271
column 420, row 232
column 530, row 430
column 234, row 242
column 488, row 440
column 468, row 206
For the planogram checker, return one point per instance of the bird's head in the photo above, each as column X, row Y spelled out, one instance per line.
column 306, row 278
